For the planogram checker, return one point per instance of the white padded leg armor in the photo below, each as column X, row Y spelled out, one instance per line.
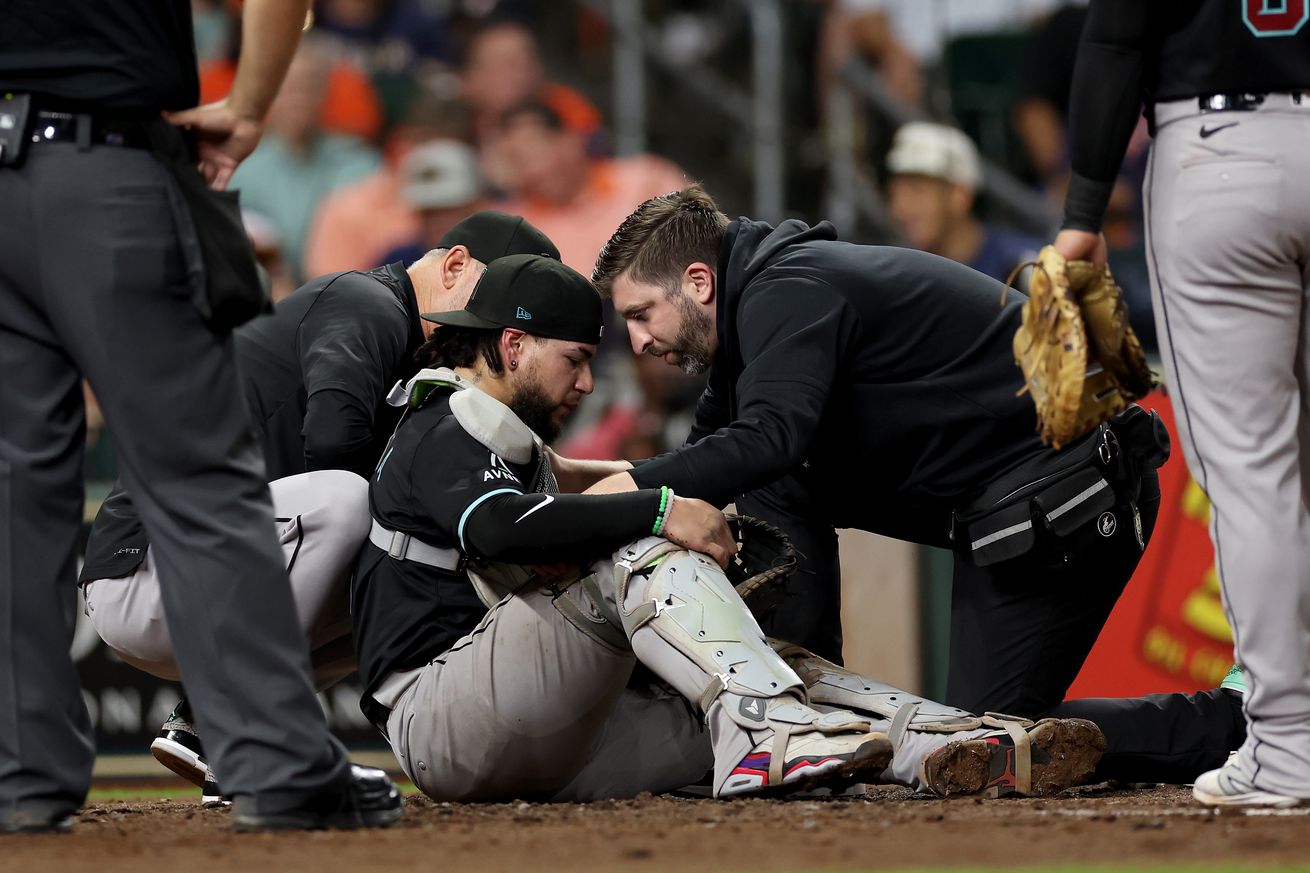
column 713, row 652
column 915, row 726
column 830, row 685
column 691, row 605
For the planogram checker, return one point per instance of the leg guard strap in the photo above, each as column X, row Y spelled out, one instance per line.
column 686, row 599
column 1017, row 728
column 785, row 716
column 828, row 685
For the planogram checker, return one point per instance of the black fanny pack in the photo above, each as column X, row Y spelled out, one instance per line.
column 229, row 289
column 1059, row 492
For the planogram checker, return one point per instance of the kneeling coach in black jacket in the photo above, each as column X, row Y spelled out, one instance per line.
column 874, row 388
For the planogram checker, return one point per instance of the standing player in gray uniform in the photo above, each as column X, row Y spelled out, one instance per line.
column 102, row 277
column 488, row 695
column 314, row 375
column 1226, row 85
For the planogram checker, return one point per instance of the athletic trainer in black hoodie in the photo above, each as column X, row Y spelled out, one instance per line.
column 875, row 388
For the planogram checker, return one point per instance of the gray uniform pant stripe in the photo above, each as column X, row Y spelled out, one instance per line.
column 322, row 521
column 1228, row 254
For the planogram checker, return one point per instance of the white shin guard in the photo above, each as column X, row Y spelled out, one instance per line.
column 915, row 725
column 688, row 624
column 830, row 685
column 686, row 600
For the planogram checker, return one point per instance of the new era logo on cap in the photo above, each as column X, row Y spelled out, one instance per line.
column 564, row 304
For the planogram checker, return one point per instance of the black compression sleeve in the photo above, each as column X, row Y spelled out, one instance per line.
column 1104, row 102
column 557, row 528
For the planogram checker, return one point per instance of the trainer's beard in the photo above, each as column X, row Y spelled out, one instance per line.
column 691, row 346
column 536, row 410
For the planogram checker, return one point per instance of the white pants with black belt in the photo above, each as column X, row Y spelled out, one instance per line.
column 322, row 521
column 1228, row 222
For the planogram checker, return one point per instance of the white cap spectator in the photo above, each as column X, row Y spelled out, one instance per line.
column 922, row 148
column 441, row 175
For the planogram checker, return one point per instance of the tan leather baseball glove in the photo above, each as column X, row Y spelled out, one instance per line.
column 1081, row 361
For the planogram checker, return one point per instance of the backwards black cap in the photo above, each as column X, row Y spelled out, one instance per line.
column 490, row 235
column 535, row 295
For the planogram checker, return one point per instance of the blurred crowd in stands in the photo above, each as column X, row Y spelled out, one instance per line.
column 399, row 117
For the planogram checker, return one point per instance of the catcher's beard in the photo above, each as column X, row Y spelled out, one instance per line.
column 535, row 409
column 691, row 347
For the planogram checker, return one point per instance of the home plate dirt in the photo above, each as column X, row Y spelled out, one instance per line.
column 890, row 829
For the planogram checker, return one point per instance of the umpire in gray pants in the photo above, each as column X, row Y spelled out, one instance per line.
column 99, row 268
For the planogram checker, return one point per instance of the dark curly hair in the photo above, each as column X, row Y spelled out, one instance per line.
column 453, row 346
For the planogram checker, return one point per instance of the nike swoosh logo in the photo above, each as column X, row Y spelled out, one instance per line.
column 1211, row 131
column 546, row 500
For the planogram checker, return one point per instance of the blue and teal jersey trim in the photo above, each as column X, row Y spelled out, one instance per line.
column 474, row 505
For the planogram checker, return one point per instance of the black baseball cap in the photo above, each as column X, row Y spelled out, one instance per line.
column 489, row 235
column 533, row 294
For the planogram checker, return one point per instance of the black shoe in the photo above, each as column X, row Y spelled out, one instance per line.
column 178, row 747
column 370, row 800
column 27, row 823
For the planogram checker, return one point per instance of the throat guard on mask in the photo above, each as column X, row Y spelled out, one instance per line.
column 482, row 416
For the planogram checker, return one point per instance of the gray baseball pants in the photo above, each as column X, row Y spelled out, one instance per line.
column 322, row 519
column 95, row 281
column 528, row 706
column 1228, row 220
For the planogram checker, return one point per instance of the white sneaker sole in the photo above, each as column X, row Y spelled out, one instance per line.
column 1247, row 798
column 180, row 760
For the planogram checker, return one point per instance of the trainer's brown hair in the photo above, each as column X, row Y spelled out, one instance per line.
column 658, row 241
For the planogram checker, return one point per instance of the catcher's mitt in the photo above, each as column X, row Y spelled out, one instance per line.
column 764, row 560
column 1081, row 361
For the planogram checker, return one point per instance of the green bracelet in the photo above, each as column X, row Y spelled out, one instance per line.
column 665, row 499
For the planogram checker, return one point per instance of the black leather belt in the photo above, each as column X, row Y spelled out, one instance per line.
column 87, row 130
column 1240, row 102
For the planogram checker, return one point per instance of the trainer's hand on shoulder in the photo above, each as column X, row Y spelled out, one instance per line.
column 696, row 525
column 225, row 138
column 1081, row 245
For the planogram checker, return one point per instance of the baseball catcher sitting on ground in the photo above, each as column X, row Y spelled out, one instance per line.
column 498, row 620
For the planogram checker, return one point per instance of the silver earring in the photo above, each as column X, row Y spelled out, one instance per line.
column 513, row 365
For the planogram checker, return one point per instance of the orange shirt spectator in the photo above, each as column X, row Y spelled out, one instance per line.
column 611, row 189
column 574, row 199
column 359, row 223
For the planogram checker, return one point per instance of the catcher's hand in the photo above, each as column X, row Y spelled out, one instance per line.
column 1081, row 361
column 764, row 560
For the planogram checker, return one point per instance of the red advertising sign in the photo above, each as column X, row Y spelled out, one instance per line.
column 1168, row 631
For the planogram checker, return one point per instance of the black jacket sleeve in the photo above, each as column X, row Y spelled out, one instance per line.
column 558, row 528
column 793, row 333
column 1104, row 103
column 712, row 412
column 347, row 346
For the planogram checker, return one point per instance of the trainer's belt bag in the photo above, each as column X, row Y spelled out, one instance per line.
column 1061, row 491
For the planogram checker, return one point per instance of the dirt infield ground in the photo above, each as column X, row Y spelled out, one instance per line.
column 892, row 829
